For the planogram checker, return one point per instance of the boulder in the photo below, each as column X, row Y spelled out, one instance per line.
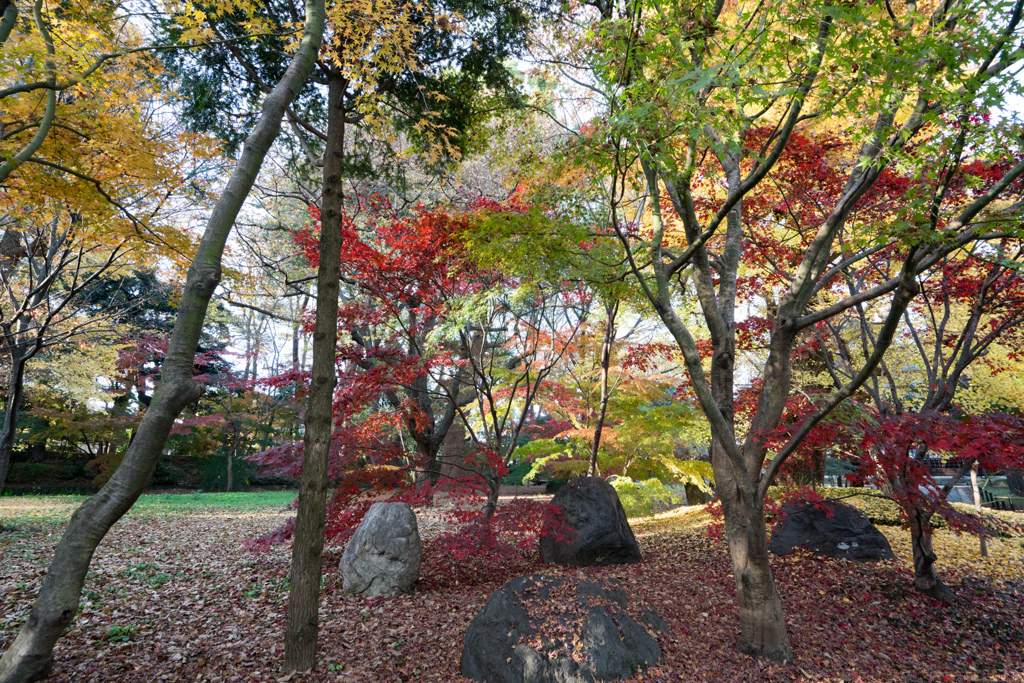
column 541, row 628
column 846, row 534
column 383, row 556
column 694, row 496
column 592, row 528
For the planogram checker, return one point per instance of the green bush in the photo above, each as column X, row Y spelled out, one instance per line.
column 71, row 469
column 166, row 474
column 552, row 485
column 642, row 498
column 517, row 474
column 215, row 476
column 31, row 472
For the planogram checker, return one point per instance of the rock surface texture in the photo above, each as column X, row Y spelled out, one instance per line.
column 846, row 534
column 600, row 533
column 548, row 629
column 383, row 555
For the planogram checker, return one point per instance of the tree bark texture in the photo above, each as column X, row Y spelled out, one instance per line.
column 493, row 491
column 762, row 621
column 15, row 393
column 926, row 580
column 300, row 640
column 30, row 655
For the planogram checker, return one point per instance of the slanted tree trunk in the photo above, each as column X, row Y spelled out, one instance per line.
column 611, row 309
column 8, row 17
column 30, row 655
column 300, row 638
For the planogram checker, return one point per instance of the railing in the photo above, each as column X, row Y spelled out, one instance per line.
column 994, row 503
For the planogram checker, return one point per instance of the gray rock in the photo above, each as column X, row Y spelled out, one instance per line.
column 846, row 534
column 599, row 533
column 546, row 629
column 383, row 556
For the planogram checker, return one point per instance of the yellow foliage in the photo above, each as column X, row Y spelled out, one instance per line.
column 955, row 552
column 990, row 390
column 677, row 520
column 963, row 553
column 109, row 164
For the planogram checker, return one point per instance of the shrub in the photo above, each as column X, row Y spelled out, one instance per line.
column 517, row 474
column 642, row 498
column 31, row 472
column 552, row 485
column 70, row 469
column 166, row 474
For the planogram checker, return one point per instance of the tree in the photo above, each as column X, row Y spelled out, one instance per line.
column 95, row 171
column 385, row 59
column 968, row 304
column 42, row 273
column 512, row 335
column 698, row 114
column 30, row 655
column 404, row 271
column 969, row 301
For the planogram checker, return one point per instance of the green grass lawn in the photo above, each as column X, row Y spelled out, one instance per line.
column 57, row 509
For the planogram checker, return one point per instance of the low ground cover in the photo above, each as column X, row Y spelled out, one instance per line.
column 173, row 595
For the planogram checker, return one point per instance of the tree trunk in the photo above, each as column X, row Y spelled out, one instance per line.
column 453, row 451
column 977, row 503
column 231, row 458
column 300, row 638
column 925, row 579
column 610, row 309
column 762, row 622
column 493, row 489
column 30, row 655
column 15, row 393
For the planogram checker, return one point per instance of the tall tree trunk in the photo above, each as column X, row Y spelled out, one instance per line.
column 611, row 310
column 977, row 503
column 307, row 550
column 453, row 451
column 235, row 438
column 15, row 393
column 762, row 621
column 925, row 579
column 30, row 655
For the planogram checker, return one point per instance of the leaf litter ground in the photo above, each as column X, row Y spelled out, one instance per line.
column 172, row 595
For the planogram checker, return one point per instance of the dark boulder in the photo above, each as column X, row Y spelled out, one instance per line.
column 846, row 534
column 546, row 629
column 592, row 528
column 694, row 496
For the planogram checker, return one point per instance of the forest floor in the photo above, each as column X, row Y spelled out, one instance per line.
column 173, row 595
